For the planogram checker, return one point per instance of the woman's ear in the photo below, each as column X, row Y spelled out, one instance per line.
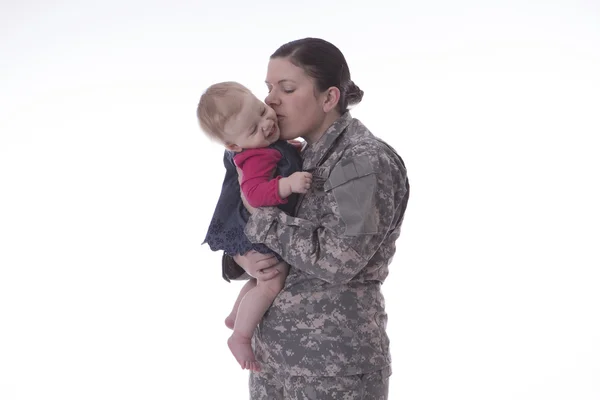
column 331, row 99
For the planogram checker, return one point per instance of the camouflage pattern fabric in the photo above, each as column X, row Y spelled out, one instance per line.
column 371, row 386
column 330, row 319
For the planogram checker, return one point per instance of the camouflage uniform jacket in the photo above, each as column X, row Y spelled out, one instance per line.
column 330, row 317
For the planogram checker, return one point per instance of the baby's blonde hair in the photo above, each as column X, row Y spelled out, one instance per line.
column 217, row 104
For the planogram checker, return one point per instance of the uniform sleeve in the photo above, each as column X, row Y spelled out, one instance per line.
column 363, row 199
column 258, row 184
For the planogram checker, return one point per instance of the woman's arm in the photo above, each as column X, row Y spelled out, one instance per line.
column 362, row 203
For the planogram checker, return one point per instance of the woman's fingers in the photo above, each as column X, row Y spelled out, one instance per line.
column 266, row 274
column 257, row 265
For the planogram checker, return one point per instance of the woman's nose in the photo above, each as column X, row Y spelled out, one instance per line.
column 271, row 99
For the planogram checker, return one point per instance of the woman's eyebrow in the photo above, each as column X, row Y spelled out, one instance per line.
column 282, row 81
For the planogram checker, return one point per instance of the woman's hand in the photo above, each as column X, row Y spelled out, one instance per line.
column 258, row 265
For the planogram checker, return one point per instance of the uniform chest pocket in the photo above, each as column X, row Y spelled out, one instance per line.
column 319, row 175
column 353, row 185
column 311, row 205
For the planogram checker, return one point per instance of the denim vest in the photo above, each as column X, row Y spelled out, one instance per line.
column 226, row 229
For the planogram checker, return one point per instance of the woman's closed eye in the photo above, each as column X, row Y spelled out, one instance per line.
column 284, row 90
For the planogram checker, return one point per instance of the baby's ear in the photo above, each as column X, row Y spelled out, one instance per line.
column 233, row 147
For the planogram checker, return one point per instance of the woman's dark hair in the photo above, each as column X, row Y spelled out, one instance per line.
column 326, row 64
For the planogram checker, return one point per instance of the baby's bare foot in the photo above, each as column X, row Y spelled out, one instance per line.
column 242, row 351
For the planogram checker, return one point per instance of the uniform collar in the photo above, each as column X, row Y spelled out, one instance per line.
column 314, row 153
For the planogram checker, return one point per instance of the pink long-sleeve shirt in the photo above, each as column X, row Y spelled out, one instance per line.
column 258, row 184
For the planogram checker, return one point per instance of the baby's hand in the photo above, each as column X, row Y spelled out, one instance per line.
column 300, row 182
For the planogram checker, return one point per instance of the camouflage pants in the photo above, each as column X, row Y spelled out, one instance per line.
column 371, row 386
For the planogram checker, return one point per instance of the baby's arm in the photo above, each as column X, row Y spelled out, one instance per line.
column 259, row 186
column 298, row 182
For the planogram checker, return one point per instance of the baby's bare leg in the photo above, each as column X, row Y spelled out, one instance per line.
column 230, row 320
column 250, row 311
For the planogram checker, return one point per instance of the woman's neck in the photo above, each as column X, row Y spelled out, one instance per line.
column 322, row 128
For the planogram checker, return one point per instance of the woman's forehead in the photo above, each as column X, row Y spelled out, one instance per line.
column 282, row 69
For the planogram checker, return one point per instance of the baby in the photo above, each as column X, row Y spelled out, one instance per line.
column 270, row 176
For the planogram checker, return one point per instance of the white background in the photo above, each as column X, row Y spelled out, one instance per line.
column 107, row 186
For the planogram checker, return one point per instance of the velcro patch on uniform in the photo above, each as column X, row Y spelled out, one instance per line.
column 349, row 169
column 353, row 184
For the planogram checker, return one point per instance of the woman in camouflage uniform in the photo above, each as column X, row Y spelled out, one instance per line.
column 325, row 337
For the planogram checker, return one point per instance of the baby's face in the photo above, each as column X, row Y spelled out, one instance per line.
column 253, row 127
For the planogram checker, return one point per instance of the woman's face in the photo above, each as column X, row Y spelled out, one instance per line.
column 297, row 103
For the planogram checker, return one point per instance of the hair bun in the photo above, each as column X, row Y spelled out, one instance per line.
column 353, row 94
